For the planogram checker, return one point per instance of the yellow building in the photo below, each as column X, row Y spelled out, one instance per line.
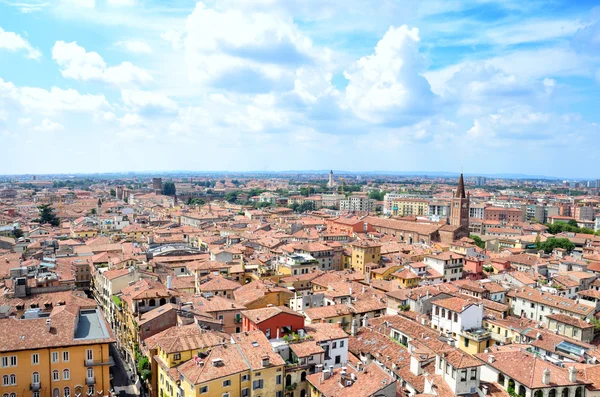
column 84, row 232
column 176, row 345
column 407, row 207
column 363, row 253
column 407, row 278
column 247, row 367
column 63, row 354
column 384, row 273
column 475, row 342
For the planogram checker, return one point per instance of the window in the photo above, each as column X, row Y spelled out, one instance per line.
column 245, row 392
column 66, row 374
column 473, row 374
column 466, row 342
column 65, row 356
column 35, row 359
column 54, row 357
column 55, row 375
column 177, row 356
column 334, row 346
column 204, row 389
column 278, row 379
column 9, row 361
column 89, row 354
column 90, row 372
column 257, row 384
column 341, row 343
column 245, row 378
column 90, row 390
column 67, row 392
column 226, row 383
column 463, row 375
column 226, row 394
column 35, row 377
column 36, row 394
column 338, row 359
column 5, row 380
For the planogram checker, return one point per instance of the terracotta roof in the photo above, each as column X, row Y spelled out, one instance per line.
column 257, row 316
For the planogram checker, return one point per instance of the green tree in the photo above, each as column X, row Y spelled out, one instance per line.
column 113, row 192
column 549, row 245
column 169, row 189
column 17, row 233
column 572, row 222
column 478, row 241
column 93, row 211
column 306, row 206
column 231, row 197
column 375, row 195
column 47, row 215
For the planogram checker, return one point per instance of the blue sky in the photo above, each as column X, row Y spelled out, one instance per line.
column 437, row 85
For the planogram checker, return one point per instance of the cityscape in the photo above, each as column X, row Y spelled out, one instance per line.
column 273, row 198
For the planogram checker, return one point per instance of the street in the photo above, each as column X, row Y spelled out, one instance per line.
column 122, row 383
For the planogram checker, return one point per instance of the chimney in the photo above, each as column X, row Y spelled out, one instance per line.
column 484, row 389
column 339, row 323
column 365, row 321
column 354, row 327
column 546, row 376
column 572, row 374
column 491, row 359
column 48, row 324
column 169, row 282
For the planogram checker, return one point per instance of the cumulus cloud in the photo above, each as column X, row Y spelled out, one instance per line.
column 147, row 102
column 387, row 86
column 78, row 64
column 135, row 46
column 14, row 42
column 48, row 125
column 232, row 47
column 55, row 100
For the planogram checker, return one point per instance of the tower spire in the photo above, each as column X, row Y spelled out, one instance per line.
column 460, row 192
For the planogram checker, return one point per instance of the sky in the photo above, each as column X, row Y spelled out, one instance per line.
column 484, row 86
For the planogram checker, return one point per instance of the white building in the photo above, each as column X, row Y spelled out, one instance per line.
column 357, row 203
column 456, row 315
column 388, row 200
column 448, row 264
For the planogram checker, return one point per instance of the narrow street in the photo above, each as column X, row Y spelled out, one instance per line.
column 122, row 383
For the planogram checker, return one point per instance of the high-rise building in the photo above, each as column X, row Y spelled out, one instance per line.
column 330, row 183
column 459, row 210
column 480, row 180
column 157, row 184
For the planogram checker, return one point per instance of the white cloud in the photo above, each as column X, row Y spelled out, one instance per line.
column 24, row 121
column 122, row 3
column 130, row 120
column 14, row 42
column 256, row 47
column 77, row 63
column 135, row 46
column 173, row 37
column 387, row 86
column 55, row 100
column 48, row 125
column 146, row 101
column 80, row 3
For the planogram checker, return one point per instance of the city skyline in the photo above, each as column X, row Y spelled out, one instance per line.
column 123, row 85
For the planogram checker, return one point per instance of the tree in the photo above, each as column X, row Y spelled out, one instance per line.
column 377, row 196
column 306, row 206
column 113, row 192
column 231, row 197
column 93, row 211
column 169, row 189
column 572, row 222
column 17, row 233
column 478, row 241
column 549, row 245
column 47, row 215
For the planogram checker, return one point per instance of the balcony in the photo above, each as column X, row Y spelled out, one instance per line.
column 36, row 386
column 95, row 363
column 90, row 381
column 477, row 334
column 237, row 320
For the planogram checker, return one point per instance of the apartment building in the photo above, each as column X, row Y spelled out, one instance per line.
column 536, row 305
column 448, row 264
column 61, row 353
column 357, row 203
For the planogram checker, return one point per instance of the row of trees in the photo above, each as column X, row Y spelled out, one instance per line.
column 570, row 227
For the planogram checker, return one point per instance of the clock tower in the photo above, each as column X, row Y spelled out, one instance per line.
column 459, row 211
